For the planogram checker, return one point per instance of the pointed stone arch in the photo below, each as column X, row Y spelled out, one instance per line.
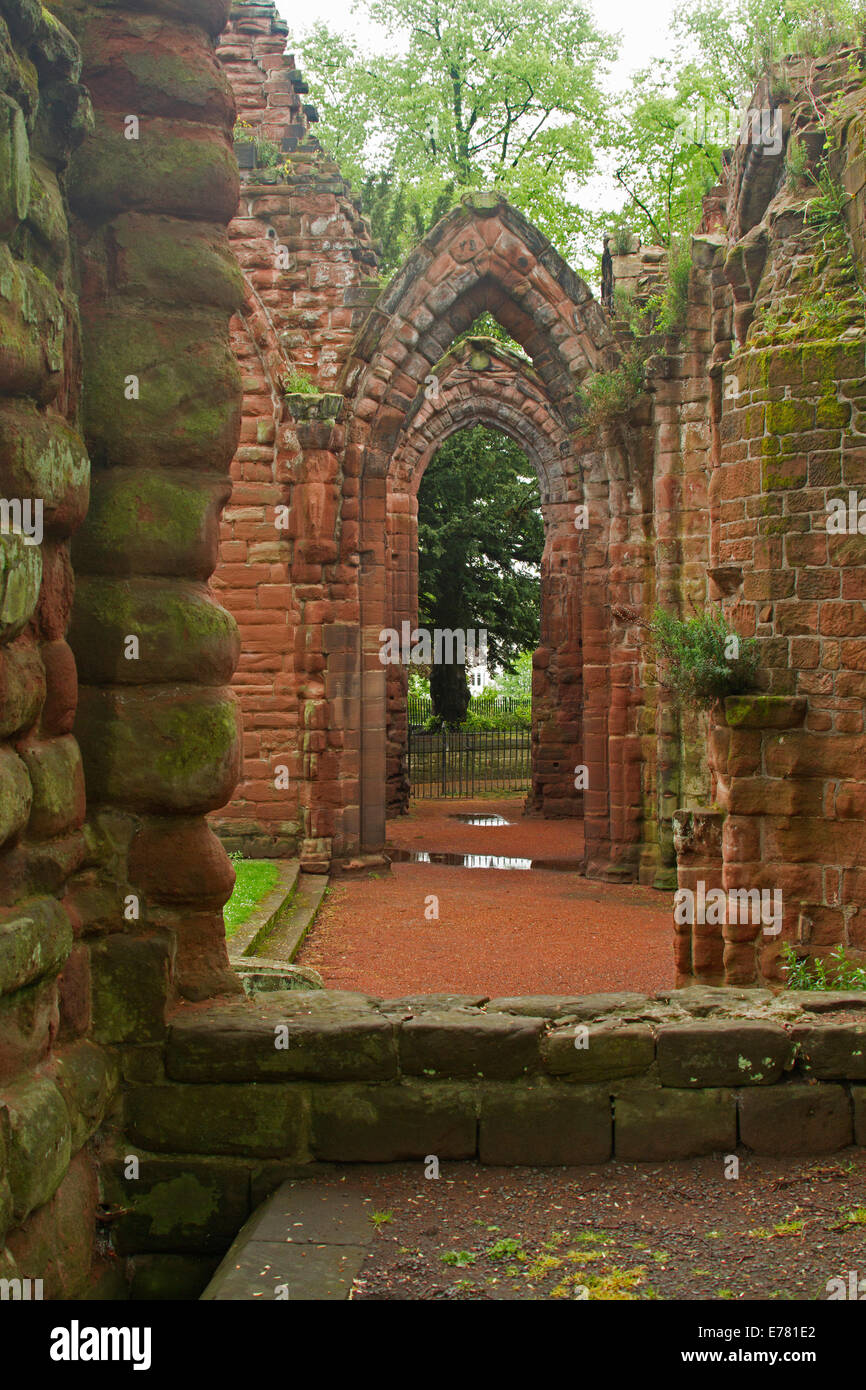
column 481, row 381
column 485, row 256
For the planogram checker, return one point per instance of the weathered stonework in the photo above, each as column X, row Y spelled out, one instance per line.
column 245, row 497
column 535, row 1081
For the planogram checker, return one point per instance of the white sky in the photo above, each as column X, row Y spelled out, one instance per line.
column 642, row 23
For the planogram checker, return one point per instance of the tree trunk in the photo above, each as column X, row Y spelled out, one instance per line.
column 449, row 692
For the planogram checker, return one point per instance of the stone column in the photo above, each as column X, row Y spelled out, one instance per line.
column 324, row 576
column 152, row 190
column 698, row 946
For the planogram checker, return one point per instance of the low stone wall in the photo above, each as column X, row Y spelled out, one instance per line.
column 243, row 1095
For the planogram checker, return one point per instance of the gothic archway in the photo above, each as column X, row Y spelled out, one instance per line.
column 485, row 256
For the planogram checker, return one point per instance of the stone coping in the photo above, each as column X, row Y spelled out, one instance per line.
column 691, row 1038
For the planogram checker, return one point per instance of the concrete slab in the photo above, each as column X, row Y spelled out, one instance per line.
column 305, row 1243
column 268, row 1270
column 312, row 1213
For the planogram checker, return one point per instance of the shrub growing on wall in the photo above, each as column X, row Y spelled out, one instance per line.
column 700, row 659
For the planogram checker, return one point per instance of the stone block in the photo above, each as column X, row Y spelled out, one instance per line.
column 325, row 1041
column 38, row 1141
column 57, row 777
column 20, row 580
column 831, row 1051
column 177, row 168
column 796, row 1118
column 145, row 522
column 22, row 686
column 176, row 1204
column 87, row 1078
column 56, row 1243
column 544, row 1122
column 43, row 457
column 169, row 261
column 660, row 1122
column 455, row 1042
column 16, row 794
column 246, row 1120
column 130, row 982
column 611, row 1050
column 14, row 166
column 187, row 411
column 32, row 331
column 35, row 939
column 160, row 748
column 181, row 633
column 28, row 1025
column 381, row 1124
column 722, row 1053
column 174, row 859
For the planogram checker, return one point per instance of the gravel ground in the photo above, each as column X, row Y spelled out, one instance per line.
column 779, row 1231
column 498, row 931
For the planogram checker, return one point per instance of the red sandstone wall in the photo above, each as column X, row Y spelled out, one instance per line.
column 47, row 1168
column 787, row 437
column 306, row 258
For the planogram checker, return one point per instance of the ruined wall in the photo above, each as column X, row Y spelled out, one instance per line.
column 54, row 1085
column 787, row 431
column 305, row 566
column 114, row 336
column 307, row 263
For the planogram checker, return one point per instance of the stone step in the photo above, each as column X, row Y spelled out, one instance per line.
column 268, row 913
column 283, row 941
column 305, row 1243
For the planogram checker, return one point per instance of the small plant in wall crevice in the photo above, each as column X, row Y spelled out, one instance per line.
column 700, row 659
column 814, row 973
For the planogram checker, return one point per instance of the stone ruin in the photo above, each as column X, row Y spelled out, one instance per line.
column 225, row 417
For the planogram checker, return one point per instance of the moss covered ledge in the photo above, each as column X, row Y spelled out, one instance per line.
column 765, row 711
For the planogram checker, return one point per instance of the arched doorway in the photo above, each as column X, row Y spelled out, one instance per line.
column 484, row 256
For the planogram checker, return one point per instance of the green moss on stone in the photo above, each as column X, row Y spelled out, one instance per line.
column 179, row 1202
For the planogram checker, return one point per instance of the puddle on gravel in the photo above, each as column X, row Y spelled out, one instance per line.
column 462, row 861
column 477, row 818
column 481, row 861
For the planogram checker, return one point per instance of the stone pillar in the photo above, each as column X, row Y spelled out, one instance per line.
column 55, row 1087
column 152, row 190
column 698, row 946
column 324, row 577
column 769, row 833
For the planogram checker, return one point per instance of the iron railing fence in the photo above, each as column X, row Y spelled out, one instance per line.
column 464, row 763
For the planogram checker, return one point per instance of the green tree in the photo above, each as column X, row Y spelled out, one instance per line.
column 516, row 682
column 678, row 116
column 663, row 159
column 468, row 94
column 480, row 537
column 734, row 41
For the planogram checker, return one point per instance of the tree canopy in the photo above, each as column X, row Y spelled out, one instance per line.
column 470, row 94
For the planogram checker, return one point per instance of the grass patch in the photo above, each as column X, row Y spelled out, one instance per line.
column 255, row 879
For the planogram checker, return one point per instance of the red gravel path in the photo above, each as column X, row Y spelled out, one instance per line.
column 499, row 931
